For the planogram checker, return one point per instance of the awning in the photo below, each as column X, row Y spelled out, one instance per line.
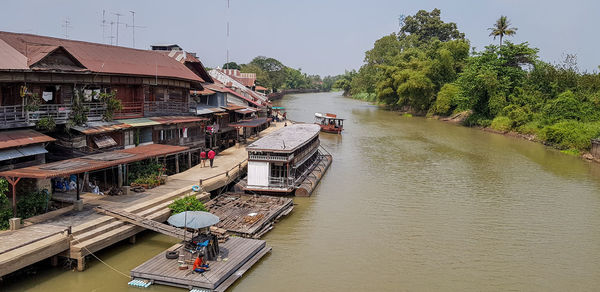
column 22, row 152
column 202, row 110
column 233, row 107
column 139, row 122
column 251, row 123
column 104, row 141
column 101, row 127
column 206, row 91
column 247, row 110
column 278, row 108
column 93, row 162
column 9, row 139
column 178, row 119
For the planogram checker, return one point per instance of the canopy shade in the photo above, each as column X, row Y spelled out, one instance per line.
column 193, row 219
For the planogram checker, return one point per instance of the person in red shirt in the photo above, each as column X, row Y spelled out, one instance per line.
column 203, row 158
column 211, row 157
column 198, row 266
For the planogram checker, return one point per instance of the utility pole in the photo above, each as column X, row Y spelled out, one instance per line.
column 118, row 23
column 133, row 26
column 66, row 25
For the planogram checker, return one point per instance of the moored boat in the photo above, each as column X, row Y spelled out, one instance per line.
column 329, row 123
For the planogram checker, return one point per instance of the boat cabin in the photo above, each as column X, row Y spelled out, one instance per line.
column 329, row 123
column 280, row 161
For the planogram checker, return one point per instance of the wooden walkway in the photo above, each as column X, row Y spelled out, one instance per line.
column 249, row 215
column 238, row 254
column 23, row 247
column 145, row 222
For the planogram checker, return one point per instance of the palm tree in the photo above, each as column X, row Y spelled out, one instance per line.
column 501, row 28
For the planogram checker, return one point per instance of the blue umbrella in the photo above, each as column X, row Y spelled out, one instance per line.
column 193, row 219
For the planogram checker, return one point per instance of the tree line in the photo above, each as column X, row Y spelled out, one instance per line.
column 273, row 74
column 429, row 68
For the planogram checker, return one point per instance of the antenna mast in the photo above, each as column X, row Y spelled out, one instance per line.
column 133, row 26
column 67, row 25
column 103, row 25
column 227, row 45
column 118, row 23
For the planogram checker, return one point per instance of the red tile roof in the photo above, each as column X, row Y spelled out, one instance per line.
column 101, row 58
column 17, row 138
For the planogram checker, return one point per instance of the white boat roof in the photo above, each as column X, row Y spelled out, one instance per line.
column 327, row 116
column 286, row 139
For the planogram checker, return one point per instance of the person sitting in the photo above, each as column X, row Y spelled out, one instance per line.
column 198, row 266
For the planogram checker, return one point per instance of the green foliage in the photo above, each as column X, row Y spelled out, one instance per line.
column 571, row 134
column 573, row 152
column 502, row 28
column 188, row 203
column 145, row 169
column 500, row 123
column 344, row 81
column 447, row 99
column 425, row 26
column 46, row 124
column 79, row 112
column 232, row 65
column 5, row 206
column 33, row 204
column 112, row 104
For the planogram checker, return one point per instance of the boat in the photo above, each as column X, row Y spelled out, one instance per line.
column 329, row 123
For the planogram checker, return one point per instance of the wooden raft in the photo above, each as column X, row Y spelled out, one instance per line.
column 242, row 253
column 249, row 215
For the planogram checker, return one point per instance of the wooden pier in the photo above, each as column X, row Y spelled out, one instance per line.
column 249, row 215
column 238, row 255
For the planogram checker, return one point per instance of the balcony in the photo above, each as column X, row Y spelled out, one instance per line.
column 166, row 108
column 269, row 157
column 130, row 110
column 16, row 115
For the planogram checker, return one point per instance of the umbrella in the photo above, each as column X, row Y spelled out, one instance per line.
column 193, row 219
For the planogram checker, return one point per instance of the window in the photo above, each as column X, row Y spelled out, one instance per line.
column 129, row 138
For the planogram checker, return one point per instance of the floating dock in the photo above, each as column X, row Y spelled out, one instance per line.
column 238, row 255
column 249, row 215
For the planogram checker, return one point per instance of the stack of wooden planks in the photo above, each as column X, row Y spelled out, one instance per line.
column 249, row 215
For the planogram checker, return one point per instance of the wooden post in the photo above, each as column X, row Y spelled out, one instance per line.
column 132, row 239
column 120, row 175
column 81, row 264
column 189, row 159
column 54, row 261
column 177, row 163
column 13, row 183
column 78, row 188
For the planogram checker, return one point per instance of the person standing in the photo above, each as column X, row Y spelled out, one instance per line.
column 203, row 158
column 211, row 157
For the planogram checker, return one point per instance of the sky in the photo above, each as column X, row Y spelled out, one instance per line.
column 322, row 37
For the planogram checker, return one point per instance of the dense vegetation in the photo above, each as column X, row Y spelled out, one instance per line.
column 271, row 73
column 429, row 68
column 188, row 203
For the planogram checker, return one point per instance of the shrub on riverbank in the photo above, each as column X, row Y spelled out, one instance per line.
column 5, row 207
column 427, row 68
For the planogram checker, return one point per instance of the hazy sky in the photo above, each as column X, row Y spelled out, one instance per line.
column 320, row 36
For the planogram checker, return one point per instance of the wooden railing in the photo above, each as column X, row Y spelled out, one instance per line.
column 11, row 115
column 58, row 112
column 154, row 108
column 130, row 110
column 96, row 111
column 270, row 157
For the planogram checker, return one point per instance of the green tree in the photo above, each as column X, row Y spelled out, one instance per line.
column 232, row 65
column 502, row 28
column 428, row 25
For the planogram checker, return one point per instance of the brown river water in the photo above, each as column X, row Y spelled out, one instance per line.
column 409, row 204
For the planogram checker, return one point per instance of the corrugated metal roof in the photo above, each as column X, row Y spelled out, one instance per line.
column 286, row 139
column 250, row 123
column 102, row 58
column 202, row 110
column 247, row 110
column 22, row 152
column 202, row 92
column 233, row 107
column 104, row 141
column 139, row 122
column 178, row 119
column 101, row 127
column 16, row 138
column 91, row 163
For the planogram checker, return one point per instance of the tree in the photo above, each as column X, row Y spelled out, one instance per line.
column 428, row 25
column 232, row 65
column 502, row 28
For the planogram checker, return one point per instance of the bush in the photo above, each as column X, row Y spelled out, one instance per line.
column 500, row 123
column 531, row 128
column 5, row 207
column 33, row 204
column 189, row 203
column 571, row 134
column 145, row 169
column 445, row 100
column 518, row 115
column 564, row 107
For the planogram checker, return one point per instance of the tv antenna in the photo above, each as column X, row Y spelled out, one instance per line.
column 103, row 25
column 133, row 26
column 111, row 37
column 401, row 19
column 118, row 23
column 67, row 25
column 227, row 44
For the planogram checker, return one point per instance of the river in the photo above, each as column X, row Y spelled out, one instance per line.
column 409, row 204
